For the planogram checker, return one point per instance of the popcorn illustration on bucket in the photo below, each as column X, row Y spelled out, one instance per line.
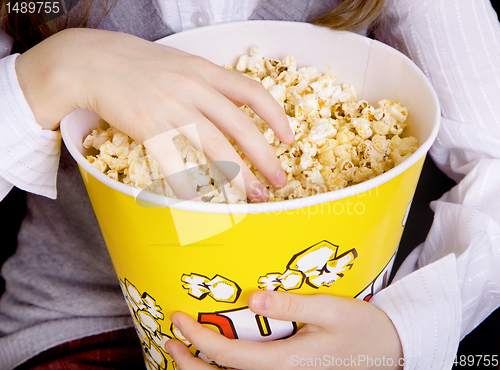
column 218, row 288
column 317, row 266
column 205, row 259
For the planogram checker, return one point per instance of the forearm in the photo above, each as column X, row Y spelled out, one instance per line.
column 146, row 89
column 50, row 75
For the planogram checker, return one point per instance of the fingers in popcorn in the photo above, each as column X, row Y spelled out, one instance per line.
column 339, row 141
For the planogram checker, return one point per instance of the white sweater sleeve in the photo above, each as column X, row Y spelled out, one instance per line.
column 29, row 155
column 451, row 282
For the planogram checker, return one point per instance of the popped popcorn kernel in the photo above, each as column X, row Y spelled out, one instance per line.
column 98, row 163
column 113, row 174
column 96, row 138
column 339, row 141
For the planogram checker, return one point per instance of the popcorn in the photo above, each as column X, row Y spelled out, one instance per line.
column 278, row 92
column 362, row 127
column 114, row 155
column 96, row 138
column 197, row 175
column 98, row 163
column 322, row 129
column 339, row 141
column 326, row 90
column 254, row 62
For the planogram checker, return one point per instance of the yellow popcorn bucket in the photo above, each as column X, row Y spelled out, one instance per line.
column 205, row 259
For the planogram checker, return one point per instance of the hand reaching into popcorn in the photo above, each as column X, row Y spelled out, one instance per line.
column 336, row 328
column 339, row 141
column 146, row 90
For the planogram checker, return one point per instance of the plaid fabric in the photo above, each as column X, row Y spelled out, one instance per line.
column 115, row 350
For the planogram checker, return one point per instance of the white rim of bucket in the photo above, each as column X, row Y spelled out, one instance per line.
column 268, row 207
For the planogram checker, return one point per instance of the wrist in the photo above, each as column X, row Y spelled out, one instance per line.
column 47, row 81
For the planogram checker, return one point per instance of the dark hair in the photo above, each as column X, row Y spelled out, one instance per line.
column 30, row 27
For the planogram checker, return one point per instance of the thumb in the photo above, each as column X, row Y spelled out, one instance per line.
column 307, row 309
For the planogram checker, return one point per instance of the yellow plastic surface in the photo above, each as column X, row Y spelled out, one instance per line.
column 340, row 248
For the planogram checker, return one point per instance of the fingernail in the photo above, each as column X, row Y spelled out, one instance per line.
column 175, row 322
column 260, row 194
column 261, row 301
column 290, row 136
column 280, row 178
column 166, row 347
